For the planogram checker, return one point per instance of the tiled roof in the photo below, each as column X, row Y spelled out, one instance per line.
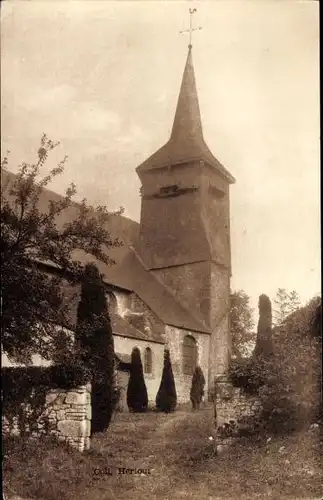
column 122, row 328
column 186, row 143
column 128, row 272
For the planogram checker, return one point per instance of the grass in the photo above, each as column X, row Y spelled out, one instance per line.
column 181, row 457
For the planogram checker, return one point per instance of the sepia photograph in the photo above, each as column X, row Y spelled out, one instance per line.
column 161, row 308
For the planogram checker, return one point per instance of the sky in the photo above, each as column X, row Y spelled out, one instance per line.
column 103, row 78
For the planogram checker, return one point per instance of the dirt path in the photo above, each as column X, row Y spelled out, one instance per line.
column 177, row 450
column 168, row 425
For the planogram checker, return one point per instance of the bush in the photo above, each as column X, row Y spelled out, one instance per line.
column 288, row 381
column 24, row 391
column 248, row 374
column 95, row 342
column 166, row 398
column 298, row 346
column 137, row 397
column 197, row 388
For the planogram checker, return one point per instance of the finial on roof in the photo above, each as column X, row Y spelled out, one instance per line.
column 191, row 29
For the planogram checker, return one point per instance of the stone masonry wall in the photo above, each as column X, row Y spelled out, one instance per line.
column 124, row 345
column 175, row 339
column 66, row 414
column 234, row 410
column 152, row 323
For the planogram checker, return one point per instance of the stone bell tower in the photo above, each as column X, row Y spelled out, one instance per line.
column 184, row 236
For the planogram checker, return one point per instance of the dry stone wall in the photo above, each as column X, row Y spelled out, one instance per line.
column 66, row 414
column 235, row 411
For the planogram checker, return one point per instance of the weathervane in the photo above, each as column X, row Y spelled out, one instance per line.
column 191, row 29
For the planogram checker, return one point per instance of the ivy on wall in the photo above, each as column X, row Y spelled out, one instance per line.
column 24, row 391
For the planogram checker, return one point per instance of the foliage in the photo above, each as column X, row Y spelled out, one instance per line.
column 264, row 344
column 39, row 227
column 24, row 392
column 298, row 349
column 241, row 323
column 197, row 388
column 166, row 398
column 249, row 374
column 137, row 397
column 285, row 304
column 95, row 344
column 288, row 381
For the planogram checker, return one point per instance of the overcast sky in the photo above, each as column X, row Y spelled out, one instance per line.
column 103, row 78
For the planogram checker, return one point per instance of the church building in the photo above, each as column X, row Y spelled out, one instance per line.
column 170, row 285
column 173, row 281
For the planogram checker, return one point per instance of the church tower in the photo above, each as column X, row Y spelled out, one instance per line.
column 184, row 236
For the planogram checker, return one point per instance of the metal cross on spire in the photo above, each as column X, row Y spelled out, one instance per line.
column 191, row 29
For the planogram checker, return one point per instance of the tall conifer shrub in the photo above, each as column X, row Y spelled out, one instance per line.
column 197, row 388
column 264, row 344
column 166, row 398
column 95, row 342
column 137, row 397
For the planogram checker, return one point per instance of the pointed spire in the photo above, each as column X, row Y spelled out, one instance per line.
column 186, row 142
column 187, row 122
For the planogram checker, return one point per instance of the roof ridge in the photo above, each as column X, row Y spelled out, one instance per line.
column 8, row 173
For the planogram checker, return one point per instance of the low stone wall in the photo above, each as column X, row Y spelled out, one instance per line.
column 235, row 410
column 65, row 414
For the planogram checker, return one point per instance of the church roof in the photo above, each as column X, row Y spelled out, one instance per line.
column 186, row 142
column 128, row 272
column 122, row 328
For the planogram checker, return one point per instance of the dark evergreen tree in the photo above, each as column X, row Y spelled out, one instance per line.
column 95, row 344
column 197, row 388
column 166, row 398
column 137, row 397
column 264, row 344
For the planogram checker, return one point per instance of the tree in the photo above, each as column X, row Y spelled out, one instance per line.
column 166, row 398
column 285, row 304
column 281, row 305
column 241, row 324
column 137, row 398
column 285, row 371
column 294, row 302
column 264, row 344
column 95, row 345
column 295, row 399
column 33, row 235
column 197, row 388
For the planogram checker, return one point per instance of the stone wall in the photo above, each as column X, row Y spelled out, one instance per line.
column 175, row 338
column 123, row 381
column 153, row 325
column 124, row 345
column 235, row 411
column 65, row 414
column 220, row 341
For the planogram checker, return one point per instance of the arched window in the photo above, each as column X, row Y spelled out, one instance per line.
column 148, row 364
column 189, row 355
